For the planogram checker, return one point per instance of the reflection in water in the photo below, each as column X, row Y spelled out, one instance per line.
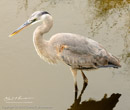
column 104, row 104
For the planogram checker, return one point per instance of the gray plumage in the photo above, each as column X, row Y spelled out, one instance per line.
column 80, row 53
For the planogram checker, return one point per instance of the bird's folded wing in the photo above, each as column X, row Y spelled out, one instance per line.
column 86, row 56
column 80, row 52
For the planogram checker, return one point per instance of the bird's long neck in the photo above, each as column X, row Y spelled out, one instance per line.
column 41, row 45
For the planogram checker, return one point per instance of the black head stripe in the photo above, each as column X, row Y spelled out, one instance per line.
column 39, row 13
column 45, row 12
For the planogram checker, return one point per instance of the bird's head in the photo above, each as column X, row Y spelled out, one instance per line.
column 36, row 17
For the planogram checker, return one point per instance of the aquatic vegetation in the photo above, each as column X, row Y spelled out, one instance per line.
column 105, row 5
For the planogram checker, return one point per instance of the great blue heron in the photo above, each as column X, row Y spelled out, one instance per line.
column 80, row 53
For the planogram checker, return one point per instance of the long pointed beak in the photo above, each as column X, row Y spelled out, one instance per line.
column 27, row 23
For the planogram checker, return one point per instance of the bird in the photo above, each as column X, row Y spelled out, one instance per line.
column 78, row 52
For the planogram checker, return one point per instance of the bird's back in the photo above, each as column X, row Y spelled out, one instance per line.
column 81, row 52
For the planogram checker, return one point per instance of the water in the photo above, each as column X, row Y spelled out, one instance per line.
column 24, row 74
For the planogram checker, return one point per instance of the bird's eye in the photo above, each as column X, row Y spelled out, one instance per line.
column 34, row 20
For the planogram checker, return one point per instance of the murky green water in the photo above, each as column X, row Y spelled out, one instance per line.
column 23, row 73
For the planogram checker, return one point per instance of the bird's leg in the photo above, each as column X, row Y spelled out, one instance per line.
column 85, row 82
column 82, row 91
column 74, row 73
column 84, row 78
column 84, row 87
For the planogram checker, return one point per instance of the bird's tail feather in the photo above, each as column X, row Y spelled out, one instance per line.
column 108, row 66
column 114, row 61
